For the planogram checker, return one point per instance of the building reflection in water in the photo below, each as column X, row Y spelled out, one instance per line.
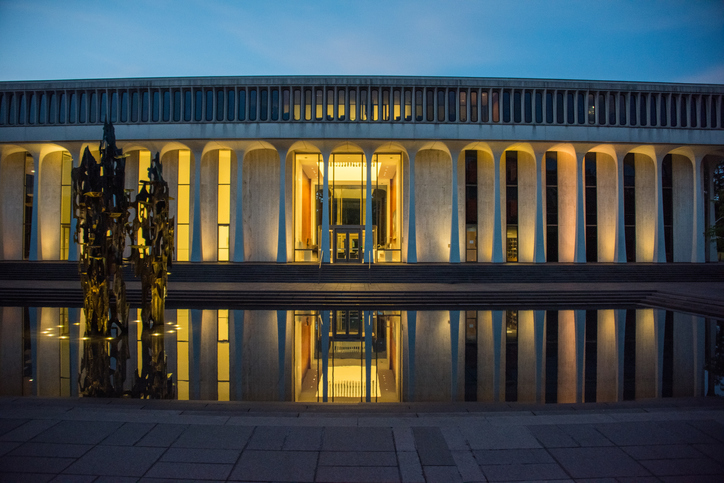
column 550, row 356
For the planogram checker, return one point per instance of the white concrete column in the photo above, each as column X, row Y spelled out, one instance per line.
column 712, row 249
column 539, row 250
column 72, row 245
column 35, row 226
column 659, row 238
column 498, row 233
column 412, row 229
column 369, row 242
column 324, row 245
column 620, row 248
column 239, row 214
column 580, row 251
column 697, row 242
column 282, row 233
column 455, row 219
column 196, row 255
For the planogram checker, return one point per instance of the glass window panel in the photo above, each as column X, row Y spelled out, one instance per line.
column 652, row 110
column 704, row 103
column 674, row 103
column 187, row 105
column 286, row 104
column 198, row 104
column 124, row 106
column 319, row 105
column 463, row 98
column 209, row 105
column 495, row 100
column 65, row 204
column 166, row 108
column 3, row 108
column 642, row 110
column 622, row 108
column 43, row 112
column 408, row 105
column 418, row 105
column 177, row 105
column 145, row 106
column 484, row 116
column 224, row 203
column 549, row 107
column 375, row 104
column 220, row 105
column 11, row 108
column 242, row 105
column 275, row 105
column 83, row 108
column 473, row 105
column 114, row 106
column 33, row 109
column 441, row 105
column 559, row 108
column 183, row 200
column 632, row 109
column 713, row 111
column 506, row 106
column 591, row 108
column 330, row 104
column 52, row 110
column 570, row 108
column 581, row 108
column 134, row 106
column 527, row 106
column 430, row 105
column 612, row 109
column 538, row 106
column 155, row 106
column 363, row 104
column 602, row 108
column 73, row 107
column 692, row 109
column 352, row 105
column 385, row 104
column 297, row 104
column 308, row 104
column 264, row 104
column 516, row 106
column 684, row 112
column 396, row 105
column 252, row 104
column 104, row 107
column 341, row 113
column 231, row 105
column 62, row 116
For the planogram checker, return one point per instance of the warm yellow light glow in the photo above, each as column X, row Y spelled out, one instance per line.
column 183, row 205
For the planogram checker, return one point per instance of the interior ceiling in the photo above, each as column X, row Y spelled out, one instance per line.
column 387, row 169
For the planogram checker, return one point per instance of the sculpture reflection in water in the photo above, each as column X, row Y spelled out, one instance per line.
column 101, row 206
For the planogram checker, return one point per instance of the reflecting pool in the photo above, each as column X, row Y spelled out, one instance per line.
column 551, row 356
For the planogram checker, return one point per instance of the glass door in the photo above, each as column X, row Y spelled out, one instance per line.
column 347, row 244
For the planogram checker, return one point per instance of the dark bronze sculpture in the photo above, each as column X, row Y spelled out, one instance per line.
column 101, row 206
column 151, row 256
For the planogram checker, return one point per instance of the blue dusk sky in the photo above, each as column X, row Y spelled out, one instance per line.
column 634, row 40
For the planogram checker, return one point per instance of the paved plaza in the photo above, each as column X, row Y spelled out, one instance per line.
column 139, row 440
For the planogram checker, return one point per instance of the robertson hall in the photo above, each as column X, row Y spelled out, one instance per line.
column 378, row 170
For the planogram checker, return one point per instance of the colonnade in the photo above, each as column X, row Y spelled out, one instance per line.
column 433, row 223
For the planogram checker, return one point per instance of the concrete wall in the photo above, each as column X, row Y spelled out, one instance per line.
column 432, row 357
column 260, row 198
column 646, row 212
column 683, row 207
column 567, row 183
column 433, row 195
column 648, row 370
column 607, row 367
column 526, row 207
column 260, row 355
column 607, row 206
column 12, row 190
column 486, row 204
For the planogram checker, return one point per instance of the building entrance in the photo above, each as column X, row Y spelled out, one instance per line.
column 347, row 244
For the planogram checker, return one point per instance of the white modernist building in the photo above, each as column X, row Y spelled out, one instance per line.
column 378, row 169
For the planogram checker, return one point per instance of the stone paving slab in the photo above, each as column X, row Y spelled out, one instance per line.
column 676, row 441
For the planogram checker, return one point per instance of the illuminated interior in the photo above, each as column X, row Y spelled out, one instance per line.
column 183, row 206
column 224, row 204
column 347, row 203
